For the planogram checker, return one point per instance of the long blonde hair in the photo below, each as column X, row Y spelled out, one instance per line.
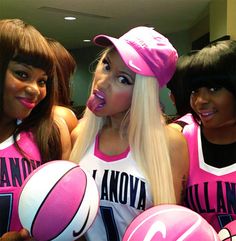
column 147, row 137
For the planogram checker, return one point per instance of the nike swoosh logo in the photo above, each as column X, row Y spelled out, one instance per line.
column 155, row 228
column 77, row 234
column 131, row 64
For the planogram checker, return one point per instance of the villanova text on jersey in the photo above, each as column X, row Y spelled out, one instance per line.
column 14, row 170
column 121, row 187
column 199, row 197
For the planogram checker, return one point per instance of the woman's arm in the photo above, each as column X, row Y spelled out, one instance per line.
column 22, row 235
column 179, row 162
column 65, row 137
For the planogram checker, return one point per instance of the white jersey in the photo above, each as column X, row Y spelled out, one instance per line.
column 124, row 192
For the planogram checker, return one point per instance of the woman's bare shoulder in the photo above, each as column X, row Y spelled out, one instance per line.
column 67, row 114
column 175, row 136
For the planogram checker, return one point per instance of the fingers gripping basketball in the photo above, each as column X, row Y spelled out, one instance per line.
column 228, row 233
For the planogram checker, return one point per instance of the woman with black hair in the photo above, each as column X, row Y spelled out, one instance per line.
column 211, row 80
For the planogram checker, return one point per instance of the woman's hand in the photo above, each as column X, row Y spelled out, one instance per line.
column 22, row 235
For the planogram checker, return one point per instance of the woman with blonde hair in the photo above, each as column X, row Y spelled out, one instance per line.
column 122, row 140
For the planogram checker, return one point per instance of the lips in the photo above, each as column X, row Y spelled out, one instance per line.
column 206, row 114
column 29, row 104
column 96, row 101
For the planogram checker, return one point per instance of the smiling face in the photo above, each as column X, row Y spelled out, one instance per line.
column 25, row 87
column 215, row 106
column 112, row 88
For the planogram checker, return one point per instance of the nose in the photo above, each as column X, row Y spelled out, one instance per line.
column 32, row 89
column 103, row 82
column 202, row 96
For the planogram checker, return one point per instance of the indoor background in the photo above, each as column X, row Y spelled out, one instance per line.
column 189, row 24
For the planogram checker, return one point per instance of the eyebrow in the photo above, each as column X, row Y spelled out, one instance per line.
column 28, row 66
column 129, row 74
column 21, row 63
column 107, row 59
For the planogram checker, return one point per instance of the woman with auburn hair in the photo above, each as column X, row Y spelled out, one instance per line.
column 65, row 68
column 29, row 136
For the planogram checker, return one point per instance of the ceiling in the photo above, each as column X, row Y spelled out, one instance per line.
column 113, row 17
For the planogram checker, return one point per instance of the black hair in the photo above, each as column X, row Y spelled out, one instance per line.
column 176, row 85
column 213, row 66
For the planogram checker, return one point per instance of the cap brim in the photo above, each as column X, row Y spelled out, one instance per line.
column 128, row 54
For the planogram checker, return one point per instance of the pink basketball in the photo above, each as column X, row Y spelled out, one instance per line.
column 58, row 201
column 228, row 233
column 172, row 223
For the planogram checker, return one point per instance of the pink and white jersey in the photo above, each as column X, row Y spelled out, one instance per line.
column 124, row 192
column 188, row 119
column 14, row 169
column 211, row 191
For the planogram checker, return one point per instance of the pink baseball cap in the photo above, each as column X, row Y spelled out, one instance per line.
column 144, row 51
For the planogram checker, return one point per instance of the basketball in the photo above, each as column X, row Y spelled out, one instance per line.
column 228, row 233
column 172, row 223
column 58, row 201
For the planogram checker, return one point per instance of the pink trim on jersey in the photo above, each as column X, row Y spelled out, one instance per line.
column 108, row 158
column 188, row 118
column 210, row 191
column 15, row 169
